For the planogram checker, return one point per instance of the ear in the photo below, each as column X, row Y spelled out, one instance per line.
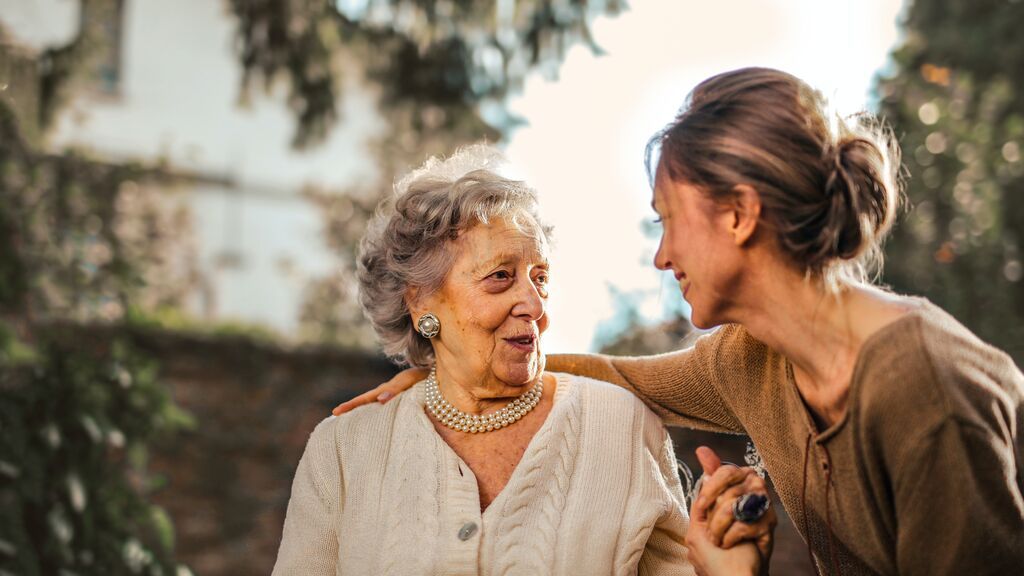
column 412, row 302
column 746, row 213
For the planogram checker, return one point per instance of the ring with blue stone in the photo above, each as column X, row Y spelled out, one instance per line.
column 750, row 507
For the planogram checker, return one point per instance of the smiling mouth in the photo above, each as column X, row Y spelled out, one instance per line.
column 523, row 342
column 684, row 282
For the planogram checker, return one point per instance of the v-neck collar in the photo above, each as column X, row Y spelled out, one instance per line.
column 859, row 365
column 564, row 388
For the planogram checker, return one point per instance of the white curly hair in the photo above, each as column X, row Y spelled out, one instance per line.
column 409, row 241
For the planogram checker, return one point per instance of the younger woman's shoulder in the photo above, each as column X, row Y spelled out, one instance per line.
column 927, row 358
column 932, row 335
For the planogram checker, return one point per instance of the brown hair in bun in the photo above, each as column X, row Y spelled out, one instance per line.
column 829, row 187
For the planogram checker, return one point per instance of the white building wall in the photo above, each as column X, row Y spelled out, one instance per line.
column 178, row 102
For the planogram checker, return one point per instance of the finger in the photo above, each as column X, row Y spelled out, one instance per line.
column 725, row 478
column 720, row 515
column 766, row 541
column 717, row 483
column 752, row 484
column 386, row 391
column 722, row 510
column 408, row 377
column 400, row 383
column 760, row 532
column 740, row 532
column 756, row 484
column 708, row 459
column 360, row 400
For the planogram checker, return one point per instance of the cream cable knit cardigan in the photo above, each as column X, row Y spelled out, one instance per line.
column 378, row 491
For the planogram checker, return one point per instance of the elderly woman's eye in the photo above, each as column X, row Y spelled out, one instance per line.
column 501, row 275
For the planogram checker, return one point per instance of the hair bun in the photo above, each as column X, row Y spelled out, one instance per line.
column 860, row 202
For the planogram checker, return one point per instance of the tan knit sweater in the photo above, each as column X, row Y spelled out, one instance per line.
column 924, row 475
column 378, row 491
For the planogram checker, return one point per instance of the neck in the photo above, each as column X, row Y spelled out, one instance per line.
column 477, row 393
column 820, row 332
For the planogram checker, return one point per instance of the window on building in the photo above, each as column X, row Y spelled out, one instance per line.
column 106, row 21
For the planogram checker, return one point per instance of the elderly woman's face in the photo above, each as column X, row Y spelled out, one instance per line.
column 492, row 306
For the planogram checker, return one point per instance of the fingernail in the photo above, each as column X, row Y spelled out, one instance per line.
column 336, row 411
column 384, row 397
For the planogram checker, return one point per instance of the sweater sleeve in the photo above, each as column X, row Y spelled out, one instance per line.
column 665, row 552
column 681, row 387
column 309, row 545
column 958, row 509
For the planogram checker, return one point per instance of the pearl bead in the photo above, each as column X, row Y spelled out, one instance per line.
column 455, row 419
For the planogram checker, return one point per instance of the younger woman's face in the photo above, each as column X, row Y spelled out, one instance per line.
column 698, row 248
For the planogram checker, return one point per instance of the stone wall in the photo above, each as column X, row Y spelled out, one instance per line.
column 226, row 483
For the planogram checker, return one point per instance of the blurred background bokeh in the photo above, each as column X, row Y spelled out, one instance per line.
column 184, row 183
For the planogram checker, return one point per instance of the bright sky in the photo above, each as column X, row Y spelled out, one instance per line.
column 583, row 147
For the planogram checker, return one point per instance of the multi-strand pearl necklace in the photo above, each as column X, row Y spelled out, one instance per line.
column 456, row 419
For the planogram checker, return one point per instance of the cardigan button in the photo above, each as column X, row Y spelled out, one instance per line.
column 467, row 531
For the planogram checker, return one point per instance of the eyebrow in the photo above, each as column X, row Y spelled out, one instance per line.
column 505, row 258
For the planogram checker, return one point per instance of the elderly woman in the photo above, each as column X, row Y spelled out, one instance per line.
column 492, row 465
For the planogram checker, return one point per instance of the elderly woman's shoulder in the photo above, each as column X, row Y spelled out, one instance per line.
column 356, row 422
column 613, row 400
column 613, row 411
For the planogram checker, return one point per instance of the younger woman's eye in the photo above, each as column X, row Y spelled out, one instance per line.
column 658, row 220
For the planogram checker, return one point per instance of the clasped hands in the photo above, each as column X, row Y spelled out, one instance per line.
column 718, row 543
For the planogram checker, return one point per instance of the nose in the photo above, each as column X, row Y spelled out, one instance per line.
column 530, row 303
column 661, row 261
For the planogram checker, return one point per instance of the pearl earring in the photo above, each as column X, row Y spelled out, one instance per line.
column 428, row 325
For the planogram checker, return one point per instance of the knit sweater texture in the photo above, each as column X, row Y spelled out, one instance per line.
column 597, row 491
column 923, row 475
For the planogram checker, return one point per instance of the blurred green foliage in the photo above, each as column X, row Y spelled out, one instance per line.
column 956, row 100
column 76, row 423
